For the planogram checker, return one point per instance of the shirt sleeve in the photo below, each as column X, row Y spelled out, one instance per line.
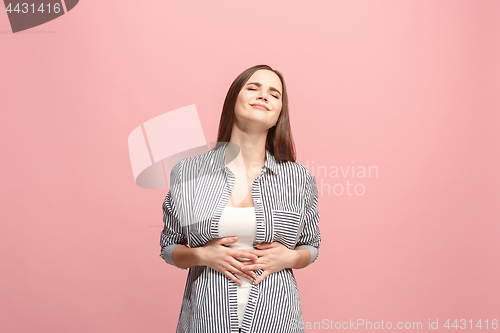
column 171, row 235
column 310, row 237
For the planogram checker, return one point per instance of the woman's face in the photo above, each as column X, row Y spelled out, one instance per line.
column 259, row 102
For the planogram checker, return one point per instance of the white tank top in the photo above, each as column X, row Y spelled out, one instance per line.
column 241, row 222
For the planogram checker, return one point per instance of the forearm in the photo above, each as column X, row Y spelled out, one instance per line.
column 302, row 258
column 186, row 257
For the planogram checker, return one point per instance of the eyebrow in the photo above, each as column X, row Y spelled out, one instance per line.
column 258, row 84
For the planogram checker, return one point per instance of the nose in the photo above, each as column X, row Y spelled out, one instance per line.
column 262, row 96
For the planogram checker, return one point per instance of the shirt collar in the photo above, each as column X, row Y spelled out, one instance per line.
column 218, row 160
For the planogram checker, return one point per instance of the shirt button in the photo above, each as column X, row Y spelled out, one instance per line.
column 257, row 201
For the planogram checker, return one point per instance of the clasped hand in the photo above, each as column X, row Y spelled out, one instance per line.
column 270, row 257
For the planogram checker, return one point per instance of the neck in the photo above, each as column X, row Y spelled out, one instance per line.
column 248, row 148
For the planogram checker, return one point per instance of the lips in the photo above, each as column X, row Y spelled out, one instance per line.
column 260, row 106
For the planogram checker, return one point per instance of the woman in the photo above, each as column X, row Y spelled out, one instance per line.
column 242, row 216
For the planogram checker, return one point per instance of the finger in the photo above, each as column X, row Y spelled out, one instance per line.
column 232, row 277
column 248, row 262
column 260, row 260
column 258, row 253
column 253, row 267
column 262, row 277
column 243, row 254
column 250, row 276
column 247, row 275
column 264, row 246
column 238, row 267
column 227, row 240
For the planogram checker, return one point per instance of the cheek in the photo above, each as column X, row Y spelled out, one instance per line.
column 278, row 106
column 242, row 98
column 239, row 102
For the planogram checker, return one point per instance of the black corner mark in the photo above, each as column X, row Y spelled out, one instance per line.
column 26, row 14
column 70, row 4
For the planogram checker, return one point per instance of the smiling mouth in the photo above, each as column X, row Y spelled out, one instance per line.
column 260, row 107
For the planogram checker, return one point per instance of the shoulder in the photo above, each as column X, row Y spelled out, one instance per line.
column 305, row 180
column 297, row 169
column 298, row 173
column 194, row 163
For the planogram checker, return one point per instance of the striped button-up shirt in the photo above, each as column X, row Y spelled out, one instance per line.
column 285, row 197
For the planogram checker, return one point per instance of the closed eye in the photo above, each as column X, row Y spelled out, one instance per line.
column 275, row 96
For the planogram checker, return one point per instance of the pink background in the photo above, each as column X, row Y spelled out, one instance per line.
column 410, row 87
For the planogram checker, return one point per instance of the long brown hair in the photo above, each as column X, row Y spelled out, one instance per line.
column 279, row 139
